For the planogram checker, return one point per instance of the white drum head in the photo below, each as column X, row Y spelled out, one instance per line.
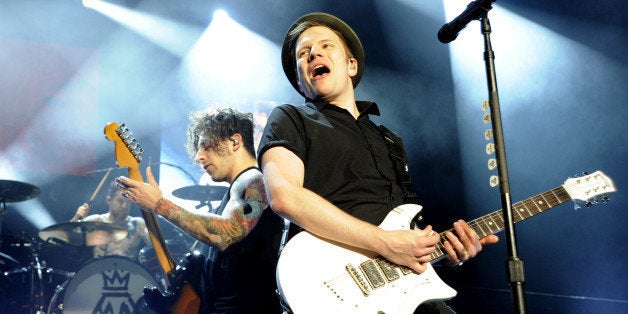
column 110, row 284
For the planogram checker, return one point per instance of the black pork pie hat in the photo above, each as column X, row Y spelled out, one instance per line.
column 288, row 59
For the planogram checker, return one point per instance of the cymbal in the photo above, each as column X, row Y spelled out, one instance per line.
column 15, row 191
column 7, row 262
column 201, row 192
column 83, row 233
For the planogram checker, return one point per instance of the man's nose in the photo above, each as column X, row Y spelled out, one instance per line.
column 198, row 157
column 314, row 53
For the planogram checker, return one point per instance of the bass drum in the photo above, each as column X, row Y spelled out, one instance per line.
column 110, row 284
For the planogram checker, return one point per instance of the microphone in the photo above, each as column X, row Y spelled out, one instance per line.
column 475, row 10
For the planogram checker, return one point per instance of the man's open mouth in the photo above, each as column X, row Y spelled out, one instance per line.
column 320, row 70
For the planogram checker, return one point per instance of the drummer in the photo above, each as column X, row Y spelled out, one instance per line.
column 117, row 215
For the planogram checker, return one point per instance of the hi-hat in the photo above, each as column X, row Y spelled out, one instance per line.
column 15, row 191
column 83, row 233
column 201, row 192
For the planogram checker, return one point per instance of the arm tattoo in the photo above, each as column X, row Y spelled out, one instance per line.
column 247, row 202
column 165, row 207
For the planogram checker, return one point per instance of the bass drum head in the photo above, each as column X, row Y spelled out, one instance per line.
column 110, row 284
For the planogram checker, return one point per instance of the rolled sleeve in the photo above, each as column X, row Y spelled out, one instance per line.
column 284, row 128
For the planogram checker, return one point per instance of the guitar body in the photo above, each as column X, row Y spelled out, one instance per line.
column 184, row 301
column 312, row 276
column 182, row 296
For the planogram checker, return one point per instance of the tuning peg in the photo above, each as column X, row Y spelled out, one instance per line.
column 488, row 134
column 493, row 181
column 490, row 148
column 602, row 199
column 486, row 118
column 485, row 105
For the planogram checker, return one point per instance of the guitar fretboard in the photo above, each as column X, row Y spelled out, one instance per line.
column 494, row 222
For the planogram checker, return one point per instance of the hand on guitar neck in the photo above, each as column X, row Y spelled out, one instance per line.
column 145, row 195
column 465, row 244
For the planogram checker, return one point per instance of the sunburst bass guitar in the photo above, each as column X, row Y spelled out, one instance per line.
column 317, row 276
column 180, row 298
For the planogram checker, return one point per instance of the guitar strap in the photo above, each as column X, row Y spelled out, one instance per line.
column 398, row 156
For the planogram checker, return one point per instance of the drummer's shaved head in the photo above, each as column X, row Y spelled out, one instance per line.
column 113, row 188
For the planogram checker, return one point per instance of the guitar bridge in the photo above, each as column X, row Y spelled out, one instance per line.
column 359, row 281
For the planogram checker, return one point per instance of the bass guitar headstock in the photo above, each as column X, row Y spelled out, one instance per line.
column 128, row 151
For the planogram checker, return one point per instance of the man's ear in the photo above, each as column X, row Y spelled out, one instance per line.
column 353, row 67
column 236, row 139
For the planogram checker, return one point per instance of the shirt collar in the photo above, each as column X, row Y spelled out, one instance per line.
column 364, row 107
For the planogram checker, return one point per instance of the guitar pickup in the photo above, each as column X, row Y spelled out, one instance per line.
column 373, row 274
column 388, row 269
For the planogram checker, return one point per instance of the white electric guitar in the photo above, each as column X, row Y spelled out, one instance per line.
column 315, row 275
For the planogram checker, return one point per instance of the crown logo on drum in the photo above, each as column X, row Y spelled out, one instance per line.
column 116, row 279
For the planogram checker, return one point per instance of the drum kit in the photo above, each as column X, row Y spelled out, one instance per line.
column 110, row 284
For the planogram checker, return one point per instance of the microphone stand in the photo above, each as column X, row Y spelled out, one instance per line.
column 514, row 263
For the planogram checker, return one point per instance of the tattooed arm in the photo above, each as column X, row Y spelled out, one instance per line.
column 247, row 200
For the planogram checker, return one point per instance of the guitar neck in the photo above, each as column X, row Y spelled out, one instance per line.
column 494, row 222
column 128, row 154
column 152, row 224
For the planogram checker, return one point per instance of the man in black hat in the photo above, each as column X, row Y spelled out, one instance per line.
column 326, row 164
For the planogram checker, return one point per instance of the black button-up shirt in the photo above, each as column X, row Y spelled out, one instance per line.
column 346, row 160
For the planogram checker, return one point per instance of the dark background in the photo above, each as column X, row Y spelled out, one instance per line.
column 561, row 68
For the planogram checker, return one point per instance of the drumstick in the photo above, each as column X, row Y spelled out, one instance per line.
column 78, row 216
column 99, row 186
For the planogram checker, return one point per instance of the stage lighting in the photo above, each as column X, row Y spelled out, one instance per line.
column 93, row 3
